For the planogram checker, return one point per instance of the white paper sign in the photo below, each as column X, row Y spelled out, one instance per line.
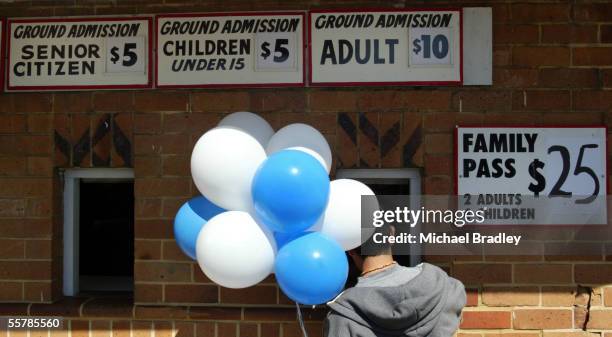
column 226, row 50
column 419, row 47
column 560, row 170
column 79, row 53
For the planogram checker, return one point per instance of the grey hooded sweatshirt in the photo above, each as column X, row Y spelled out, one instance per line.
column 398, row 301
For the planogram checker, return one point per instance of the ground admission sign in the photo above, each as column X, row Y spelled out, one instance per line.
column 560, row 171
column 230, row 49
column 418, row 47
column 79, row 53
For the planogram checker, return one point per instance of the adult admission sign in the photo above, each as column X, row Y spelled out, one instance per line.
column 418, row 47
column 540, row 175
column 230, row 49
column 79, row 53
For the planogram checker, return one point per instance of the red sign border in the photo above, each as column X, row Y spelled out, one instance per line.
column 234, row 85
column 386, row 83
column 149, row 85
column 518, row 126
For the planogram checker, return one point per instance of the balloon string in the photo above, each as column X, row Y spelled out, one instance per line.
column 301, row 320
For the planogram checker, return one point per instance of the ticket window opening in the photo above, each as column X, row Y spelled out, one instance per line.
column 391, row 182
column 98, row 232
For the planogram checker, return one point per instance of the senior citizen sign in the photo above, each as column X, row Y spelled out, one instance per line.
column 79, row 53
column 230, row 49
column 420, row 47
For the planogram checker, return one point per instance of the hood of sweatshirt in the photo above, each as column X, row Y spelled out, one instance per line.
column 429, row 304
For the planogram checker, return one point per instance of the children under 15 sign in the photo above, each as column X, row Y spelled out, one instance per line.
column 216, row 50
column 546, row 175
column 79, row 53
column 385, row 47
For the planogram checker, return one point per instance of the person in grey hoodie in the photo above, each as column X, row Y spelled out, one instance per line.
column 392, row 300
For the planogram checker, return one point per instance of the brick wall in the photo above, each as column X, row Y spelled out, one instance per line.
column 552, row 64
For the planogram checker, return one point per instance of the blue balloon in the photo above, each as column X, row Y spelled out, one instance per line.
column 190, row 219
column 284, row 238
column 290, row 191
column 311, row 269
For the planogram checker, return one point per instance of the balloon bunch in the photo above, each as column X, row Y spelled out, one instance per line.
column 268, row 206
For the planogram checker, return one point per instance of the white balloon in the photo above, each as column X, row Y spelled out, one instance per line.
column 310, row 152
column 250, row 123
column 234, row 251
column 223, row 163
column 301, row 135
column 342, row 218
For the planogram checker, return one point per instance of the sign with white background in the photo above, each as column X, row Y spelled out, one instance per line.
column 562, row 166
column 79, row 53
column 421, row 47
column 230, row 49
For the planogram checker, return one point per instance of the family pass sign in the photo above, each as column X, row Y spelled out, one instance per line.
column 560, row 172
column 79, row 53
column 417, row 47
column 230, row 50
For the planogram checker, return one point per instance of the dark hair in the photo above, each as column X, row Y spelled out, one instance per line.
column 371, row 248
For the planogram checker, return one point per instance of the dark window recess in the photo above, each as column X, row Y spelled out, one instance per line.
column 106, row 236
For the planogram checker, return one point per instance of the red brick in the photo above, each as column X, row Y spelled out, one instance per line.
column 153, row 228
column 100, row 329
column 147, row 249
column 11, row 291
column 270, row 329
column 472, row 297
column 545, row 12
column 248, row 330
column 164, row 329
column 121, row 328
column 515, row 78
column 568, row 78
column 147, row 166
column 327, row 100
column 31, row 102
column 510, row 296
column 162, row 144
column 563, row 33
column 13, row 123
column 540, row 56
column 481, row 101
column 592, row 100
column 160, row 187
column 191, row 293
column 123, row 139
column 425, row 100
column 593, row 12
column 346, row 151
column 593, row 273
column 592, row 56
column 215, row 313
column 185, row 329
column 176, row 165
column 67, row 102
column 25, row 187
column 147, row 123
column 113, row 101
column 172, row 252
column 38, row 249
column 485, row 320
column 254, row 295
column 541, row 100
column 477, row 273
column 542, row 319
column 438, row 165
column 147, row 208
column 543, row 273
column 162, row 272
column 440, row 143
column 13, row 270
column 205, row 329
column 150, row 293
column 278, row 101
column 161, row 101
column 12, row 208
column 227, row 329
column 438, row 185
column 512, row 34
column 220, row 101
column 40, row 166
